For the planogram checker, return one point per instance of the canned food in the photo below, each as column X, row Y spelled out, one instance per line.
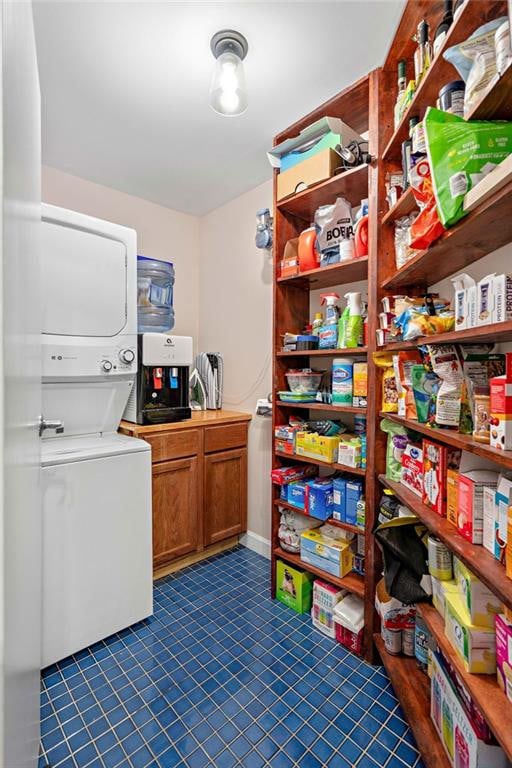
column 392, row 640
column 408, row 641
column 440, row 562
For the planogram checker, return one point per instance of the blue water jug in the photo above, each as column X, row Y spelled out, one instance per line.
column 155, row 287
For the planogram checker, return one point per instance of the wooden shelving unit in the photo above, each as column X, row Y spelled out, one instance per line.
column 358, row 106
column 353, row 582
column 484, row 689
column 485, row 229
column 356, row 529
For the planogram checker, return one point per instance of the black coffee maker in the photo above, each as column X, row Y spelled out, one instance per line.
column 161, row 391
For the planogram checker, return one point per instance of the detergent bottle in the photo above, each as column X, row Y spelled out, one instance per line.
column 350, row 326
column 332, row 311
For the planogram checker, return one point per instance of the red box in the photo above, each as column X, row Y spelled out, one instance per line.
column 436, row 461
column 412, row 468
column 351, row 640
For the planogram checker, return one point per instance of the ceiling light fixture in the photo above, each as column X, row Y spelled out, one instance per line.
column 227, row 91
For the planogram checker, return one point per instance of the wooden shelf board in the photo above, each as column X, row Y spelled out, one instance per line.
column 352, row 184
column 496, row 103
column 439, row 72
column 484, row 689
column 335, row 274
column 412, row 687
column 456, row 440
column 483, row 230
column 334, row 467
column 495, row 332
column 404, row 205
column 325, row 352
column 475, row 556
column 322, row 407
column 330, row 521
column 352, row 582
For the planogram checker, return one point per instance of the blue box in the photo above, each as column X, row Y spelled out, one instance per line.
column 319, row 501
column 354, row 493
column 339, row 494
column 297, row 494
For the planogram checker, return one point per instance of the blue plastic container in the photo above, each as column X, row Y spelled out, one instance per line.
column 155, row 289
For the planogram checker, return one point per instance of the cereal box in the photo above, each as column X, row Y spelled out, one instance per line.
column 504, row 654
column 412, row 468
column 470, row 522
column 452, row 495
column 360, row 385
column 501, row 413
column 436, row 459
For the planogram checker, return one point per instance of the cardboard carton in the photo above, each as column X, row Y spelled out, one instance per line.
column 311, row 171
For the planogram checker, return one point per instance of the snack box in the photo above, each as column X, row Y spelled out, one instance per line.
column 485, row 300
column 501, row 413
column 470, row 520
column 325, row 598
column 331, row 555
column 490, row 522
column 452, row 495
column 439, row 591
column 339, row 492
column 319, row 498
column 476, row 646
column 314, row 446
column 503, row 501
column 463, row 747
column 504, row 654
column 480, row 603
column 293, row 587
column 502, row 311
column 412, row 468
column 436, row 460
column 360, row 385
column 354, row 495
column 508, row 546
column 296, row 494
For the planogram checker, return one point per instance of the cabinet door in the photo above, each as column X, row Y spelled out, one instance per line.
column 175, row 509
column 225, row 495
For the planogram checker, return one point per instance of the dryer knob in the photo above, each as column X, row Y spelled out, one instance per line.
column 127, row 356
column 106, row 366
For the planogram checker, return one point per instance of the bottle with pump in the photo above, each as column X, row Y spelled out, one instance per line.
column 332, row 311
column 443, row 26
column 350, row 326
column 317, row 323
column 422, row 54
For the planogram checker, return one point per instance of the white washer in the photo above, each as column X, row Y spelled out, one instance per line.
column 97, row 568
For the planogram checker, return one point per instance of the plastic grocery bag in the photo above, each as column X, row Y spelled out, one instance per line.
column 460, row 155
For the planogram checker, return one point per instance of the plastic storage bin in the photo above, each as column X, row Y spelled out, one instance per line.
column 155, row 287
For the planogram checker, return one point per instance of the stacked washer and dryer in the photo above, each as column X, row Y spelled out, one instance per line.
column 97, row 538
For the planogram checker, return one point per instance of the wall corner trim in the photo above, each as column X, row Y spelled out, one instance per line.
column 256, row 543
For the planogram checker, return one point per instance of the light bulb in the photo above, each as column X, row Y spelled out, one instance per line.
column 227, row 91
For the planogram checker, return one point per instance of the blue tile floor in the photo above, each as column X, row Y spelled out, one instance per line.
column 224, row 676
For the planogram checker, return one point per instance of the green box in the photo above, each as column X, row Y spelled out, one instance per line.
column 293, row 587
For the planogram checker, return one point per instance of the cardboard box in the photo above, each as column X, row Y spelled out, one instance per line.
column 501, row 413
column 289, row 266
column 452, row 495
column 436, row 459
column 476, row 646
column 319, row 498
column 502, row 311
column 455, row 729
column 508, row 546
column 314, row 446
column 439, row 591
column 360, row 385
column 354, row 494
column 490, row 519
column 284, row 446
column 339, row 492
column 333, row 556
column 293, row 587
column 504, row 654
column 485, row 300
column 480, row 603
column 325, row 598
column 311, row 171
column 470, row 522
column 412, row 468
column 349, row 450
column 503, row 499
column 296, row 494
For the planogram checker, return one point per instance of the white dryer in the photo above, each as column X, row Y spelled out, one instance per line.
column 97, row 547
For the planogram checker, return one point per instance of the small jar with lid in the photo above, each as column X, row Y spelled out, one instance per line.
column 481, row 425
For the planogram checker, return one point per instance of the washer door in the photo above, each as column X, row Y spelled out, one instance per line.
column 84, row 281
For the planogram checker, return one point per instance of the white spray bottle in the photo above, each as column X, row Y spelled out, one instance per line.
column 332, row 311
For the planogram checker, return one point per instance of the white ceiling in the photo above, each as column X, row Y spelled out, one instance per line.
column 125, row 88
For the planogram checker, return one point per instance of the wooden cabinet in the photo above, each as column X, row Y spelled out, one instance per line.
column 175, row 509
column 225, row 495
column 199, row 482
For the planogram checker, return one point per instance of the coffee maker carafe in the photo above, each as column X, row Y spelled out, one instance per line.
column 161, row 391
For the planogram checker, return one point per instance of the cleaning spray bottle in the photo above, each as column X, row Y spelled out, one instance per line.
column 350, row 326
column 332, row 311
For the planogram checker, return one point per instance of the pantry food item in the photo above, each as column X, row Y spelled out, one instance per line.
column 293, row 587
column 504, row 654
column 396, row 443
column 479, row 602
column 501, row 413
column 451, row 97
column 452, row 495
column 439, row 591
column 436, row 461
column 389, row 391
column 482, row 417
column 403, row 363
column 440, row 563
column 490, row 523
column 445, row 363
column 470, row 519
column 476, row 645
column 412, row 468
column 425, row 385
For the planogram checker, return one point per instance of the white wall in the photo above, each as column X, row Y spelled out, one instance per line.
column 235, row 318
column 161, row 233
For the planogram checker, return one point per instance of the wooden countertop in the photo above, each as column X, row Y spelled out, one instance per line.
column 199, row 419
